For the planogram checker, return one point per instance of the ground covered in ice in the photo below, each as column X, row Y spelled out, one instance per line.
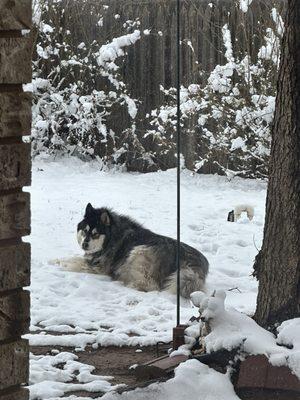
column 76, row 309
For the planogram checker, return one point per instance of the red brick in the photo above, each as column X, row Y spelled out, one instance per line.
column 15, row 56
column 15, row 165
column 15, row 114
column 17, row 394
column 14, row 215
column 14, row 363
column 14, row 314
column 14, row 266
column 257, row 373
column 15, row 14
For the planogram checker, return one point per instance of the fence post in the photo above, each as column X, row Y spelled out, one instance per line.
column 15, row 172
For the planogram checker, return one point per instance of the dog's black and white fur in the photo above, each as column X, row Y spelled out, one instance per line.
column 121, row 248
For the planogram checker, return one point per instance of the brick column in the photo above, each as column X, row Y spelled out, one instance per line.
column 15, row 172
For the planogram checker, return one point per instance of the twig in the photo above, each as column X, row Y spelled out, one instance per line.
column 253, row 238
column 234, row 288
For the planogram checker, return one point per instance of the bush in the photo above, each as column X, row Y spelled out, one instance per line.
column 230, row 114
column 71, row 113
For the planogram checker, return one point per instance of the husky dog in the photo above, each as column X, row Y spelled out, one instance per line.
column 121, row 248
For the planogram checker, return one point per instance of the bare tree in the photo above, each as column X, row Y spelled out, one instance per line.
column 277, row 266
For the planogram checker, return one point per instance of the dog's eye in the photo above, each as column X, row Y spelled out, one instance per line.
column 95, row 235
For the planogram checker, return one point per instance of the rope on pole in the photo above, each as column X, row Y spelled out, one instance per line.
column 178, row 162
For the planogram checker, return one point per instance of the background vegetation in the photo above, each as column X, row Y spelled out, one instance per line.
column 104, row 77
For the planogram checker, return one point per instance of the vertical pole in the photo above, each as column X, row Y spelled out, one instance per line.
column 178, row 162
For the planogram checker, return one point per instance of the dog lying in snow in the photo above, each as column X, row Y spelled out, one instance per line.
column 121, row 248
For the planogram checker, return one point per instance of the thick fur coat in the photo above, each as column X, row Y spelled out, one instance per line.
column 118, row 246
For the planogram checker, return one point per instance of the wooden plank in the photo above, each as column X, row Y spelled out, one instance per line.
column 159, row 368
column 15, row 114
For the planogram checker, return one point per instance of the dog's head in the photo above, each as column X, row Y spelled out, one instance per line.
column 93, row 229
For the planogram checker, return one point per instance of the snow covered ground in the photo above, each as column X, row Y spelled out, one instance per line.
column 91, row 309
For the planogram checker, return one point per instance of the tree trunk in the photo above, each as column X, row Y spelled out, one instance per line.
column 277, row 266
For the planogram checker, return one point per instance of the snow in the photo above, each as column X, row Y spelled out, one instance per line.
column 288, row 333
column 91, row 309
column 60, row 192
column 75, row 310
column 227, row 43
column 237, row 143
column 45, row 28
column 231, row 329
column 271, row 50
column 219, row 79
column 113, row 50
column 50, row 379
column 193, row 380
column 244, row 5
column 278, row 21
column 132, row 108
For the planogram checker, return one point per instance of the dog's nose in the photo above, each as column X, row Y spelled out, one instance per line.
column 85, row 245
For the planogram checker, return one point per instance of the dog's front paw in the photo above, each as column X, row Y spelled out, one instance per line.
column 62, row 262
column 75, row 264
column 55, row 261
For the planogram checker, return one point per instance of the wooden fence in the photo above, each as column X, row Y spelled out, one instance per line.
column 151, row 62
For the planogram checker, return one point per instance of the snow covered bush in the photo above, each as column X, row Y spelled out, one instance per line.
column 83, row 106
column 76, row 90
column 230, row 113
column 229, row 329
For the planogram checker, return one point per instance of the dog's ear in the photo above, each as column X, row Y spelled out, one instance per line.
column 105, row 218
column 88, row 210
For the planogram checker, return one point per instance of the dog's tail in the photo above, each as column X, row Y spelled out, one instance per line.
column 192, row 279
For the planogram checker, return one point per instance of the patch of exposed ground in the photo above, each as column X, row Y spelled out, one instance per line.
column 113, row 361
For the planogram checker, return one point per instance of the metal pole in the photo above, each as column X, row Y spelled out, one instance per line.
column 178, row 162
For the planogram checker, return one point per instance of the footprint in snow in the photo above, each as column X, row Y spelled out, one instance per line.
column 196, row 228
column 210, row 248
column 242, row 243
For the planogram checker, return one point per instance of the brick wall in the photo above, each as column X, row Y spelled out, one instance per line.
column 15, row 172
